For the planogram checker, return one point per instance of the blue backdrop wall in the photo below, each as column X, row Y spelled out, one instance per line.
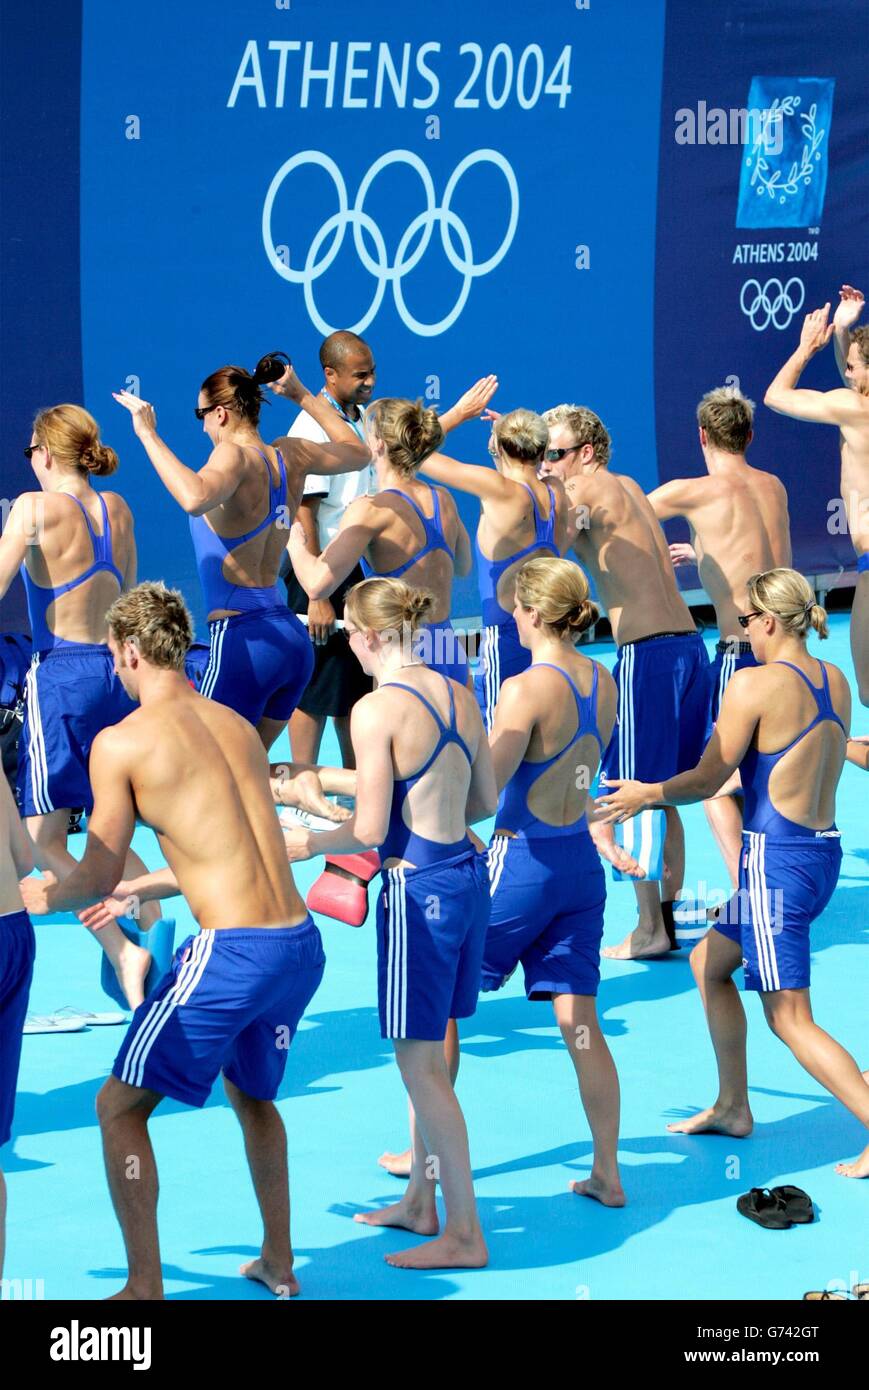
column 471, row 195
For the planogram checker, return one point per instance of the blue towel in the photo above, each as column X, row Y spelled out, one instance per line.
column 643, row 838
column 160, row 941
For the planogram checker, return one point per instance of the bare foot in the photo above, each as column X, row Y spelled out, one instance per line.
column 397, row 1164
column 643, row 943
column 858, row 1169
column 132, row 968
column 126, row 1295
column 407, row 1215
column 609, row 1194
column 736, row 1123
column 447, row 1252
column 280, row 1281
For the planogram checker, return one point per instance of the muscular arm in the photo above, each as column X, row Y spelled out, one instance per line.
column 321, row 614
column 482, row 482
column 321, row 574
column 483, row 791
column 674, row 498
column 837, row 407
column 110, row 827
column 463, row 559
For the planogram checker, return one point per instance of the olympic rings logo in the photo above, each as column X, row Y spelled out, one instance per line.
column 771, row 303
column 422, row 226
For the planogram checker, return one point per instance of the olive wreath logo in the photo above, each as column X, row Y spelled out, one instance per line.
column 802, row 170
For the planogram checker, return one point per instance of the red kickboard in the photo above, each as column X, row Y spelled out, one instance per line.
column 344, row 898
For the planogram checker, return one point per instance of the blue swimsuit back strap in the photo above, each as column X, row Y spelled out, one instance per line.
column 277, row 498
column 103, row 560
column 822, row 700
column 586, row 714
column 447, row 733
column 434, row 537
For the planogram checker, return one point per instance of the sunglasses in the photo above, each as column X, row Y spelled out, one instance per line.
column 745, row 618
column 200, row 411
column 31, row 450
column 553, row 455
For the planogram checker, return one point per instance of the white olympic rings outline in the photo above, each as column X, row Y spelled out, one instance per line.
column 383, row 272
column 763, row 301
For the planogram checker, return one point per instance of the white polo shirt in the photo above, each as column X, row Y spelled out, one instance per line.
column 338, row 491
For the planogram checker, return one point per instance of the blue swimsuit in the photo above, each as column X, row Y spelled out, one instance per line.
column 547, row 883
column 261, row 659
column 787, row 871
column 71, row 694
column 502, row 654
column 431, row 919
column 436, row 644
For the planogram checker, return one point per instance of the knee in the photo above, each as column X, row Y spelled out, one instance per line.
column 781, row 1021
column 863, row 689
column 110, row 1102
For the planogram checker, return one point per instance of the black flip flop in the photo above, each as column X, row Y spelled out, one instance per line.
column 765, row 1208
column 798, row 1204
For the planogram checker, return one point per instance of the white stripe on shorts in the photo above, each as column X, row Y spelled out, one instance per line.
column 162, row 1009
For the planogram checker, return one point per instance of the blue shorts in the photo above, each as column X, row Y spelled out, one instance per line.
column 431, row 925
column 548, row 898
column 259, row 663
column 501, row 656
column 17, row 949
column 785, row 883
column 663, row 687
column 729, row 658
column 71, row 694
column 442, row 650
column 231, row 1002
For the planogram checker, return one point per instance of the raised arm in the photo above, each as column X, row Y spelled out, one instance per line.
column 319, row 458
column 673, row 498
column 848, row 311
column 196, row 493
column 470, row 405
column 477, row 479
column 320, row 575
column 837, row 407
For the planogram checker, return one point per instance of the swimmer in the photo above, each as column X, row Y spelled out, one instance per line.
column 76, row 551
column 785, row 726
column 233, row 998
column 521, row 517
column 240, row 505
column 662, row 671
column 424, row 774
column 552, row 724
column 408, row 530
column 849, row 409
column 739, row 526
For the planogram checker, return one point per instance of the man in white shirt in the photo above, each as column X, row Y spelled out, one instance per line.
column 338, row 680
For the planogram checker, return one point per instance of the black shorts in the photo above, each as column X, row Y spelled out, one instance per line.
column 338, row 680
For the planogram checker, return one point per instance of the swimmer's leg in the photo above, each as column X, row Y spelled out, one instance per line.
column 860, row 635
column 724, row 814
column 576, row 1015
column 789, row 1015
column 269, row 730
column 649, row 937
column 713, row 961
column 131, row 963
column 123, row 1113
column 399, row 1164
column 441, row 1145
column 265, row 1144
column 306, row 735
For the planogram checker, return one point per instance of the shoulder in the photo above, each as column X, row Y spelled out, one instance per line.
column 227, row 456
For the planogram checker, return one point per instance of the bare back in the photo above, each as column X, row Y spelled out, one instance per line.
column 560, row 795
column 400, row 537
column 256, row 562
column 740, row 527
column 854, row 453
column 199, row 775
column 802, row 786
column 436, row 807
column 61, row 550
column 508, row 525
column 619, row 539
